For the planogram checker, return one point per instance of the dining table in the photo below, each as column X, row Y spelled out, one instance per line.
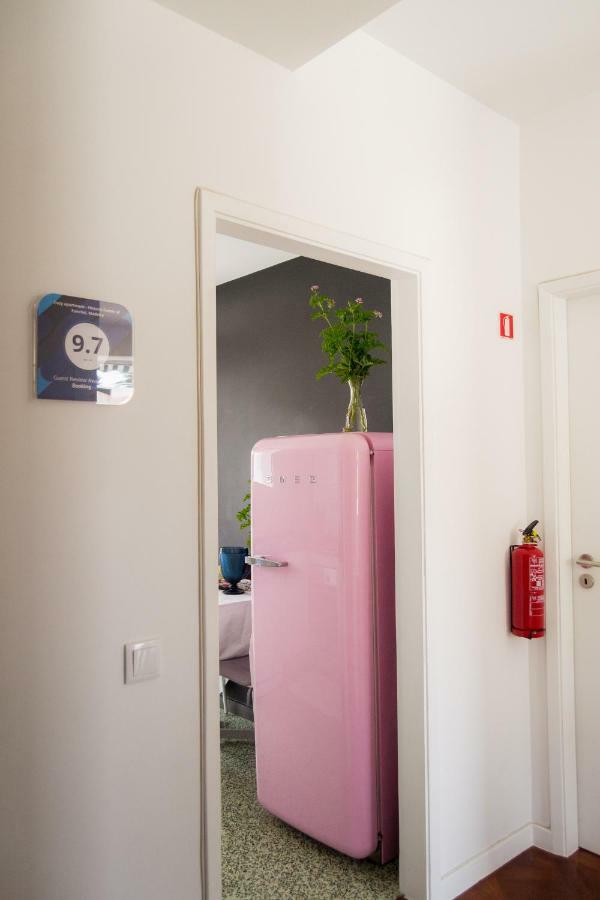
column 235, row 624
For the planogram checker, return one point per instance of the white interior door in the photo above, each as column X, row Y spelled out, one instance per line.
column 584, row 406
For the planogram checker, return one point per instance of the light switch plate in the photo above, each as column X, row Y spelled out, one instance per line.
column 142, row 660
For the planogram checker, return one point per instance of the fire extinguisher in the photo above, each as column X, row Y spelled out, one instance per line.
column 527, row 585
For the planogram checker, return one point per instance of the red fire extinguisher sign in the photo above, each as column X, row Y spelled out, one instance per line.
column 507, row 326
column 528, row 614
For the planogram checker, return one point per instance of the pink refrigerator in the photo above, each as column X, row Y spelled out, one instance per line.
column 324, row 657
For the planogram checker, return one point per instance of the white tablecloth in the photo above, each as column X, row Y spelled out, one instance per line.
column 235, row 625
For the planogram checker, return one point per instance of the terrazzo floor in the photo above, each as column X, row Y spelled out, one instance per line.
column 264, row 859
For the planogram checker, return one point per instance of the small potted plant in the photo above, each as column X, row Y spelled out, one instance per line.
column 349, row 344
column 244, row 516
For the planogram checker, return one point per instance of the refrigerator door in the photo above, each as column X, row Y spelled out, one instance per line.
column 314, row 681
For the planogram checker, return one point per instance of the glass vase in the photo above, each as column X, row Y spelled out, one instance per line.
column 356, row 416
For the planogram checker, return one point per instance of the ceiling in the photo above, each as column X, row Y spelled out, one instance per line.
column 237, row 258
column 521, row 57
column 290, row 32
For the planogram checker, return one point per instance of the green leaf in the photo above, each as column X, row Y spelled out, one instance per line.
column 347, row 342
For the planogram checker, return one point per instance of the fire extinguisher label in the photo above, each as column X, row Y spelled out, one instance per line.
column 536, row 585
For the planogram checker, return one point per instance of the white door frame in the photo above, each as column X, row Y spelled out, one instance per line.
column 560, row 661
column 226, row 215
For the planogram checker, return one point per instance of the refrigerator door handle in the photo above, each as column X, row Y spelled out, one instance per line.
column 265, row 562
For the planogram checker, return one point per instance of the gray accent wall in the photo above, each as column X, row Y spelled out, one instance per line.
column 268, row 351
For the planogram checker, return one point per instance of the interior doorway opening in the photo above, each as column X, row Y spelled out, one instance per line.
column 565, row 391
column 298, row 686
column 225, row 216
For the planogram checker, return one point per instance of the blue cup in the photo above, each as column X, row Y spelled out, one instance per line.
column 233, row 563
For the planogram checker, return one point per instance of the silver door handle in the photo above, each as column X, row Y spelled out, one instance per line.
column 587, row 562
column 265, row 562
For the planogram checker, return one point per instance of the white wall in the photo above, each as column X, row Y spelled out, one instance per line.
column 113, row 112
column 561, row 236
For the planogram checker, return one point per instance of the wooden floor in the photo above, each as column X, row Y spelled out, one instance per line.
column 536, row 875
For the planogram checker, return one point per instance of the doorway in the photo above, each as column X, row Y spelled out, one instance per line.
column 299, row 690
column 569, row 321
column 583, row 327
column 218, row 214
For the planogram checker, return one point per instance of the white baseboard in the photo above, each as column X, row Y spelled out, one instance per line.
column 542, row 838
column 473, row 870
column 546, row 839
